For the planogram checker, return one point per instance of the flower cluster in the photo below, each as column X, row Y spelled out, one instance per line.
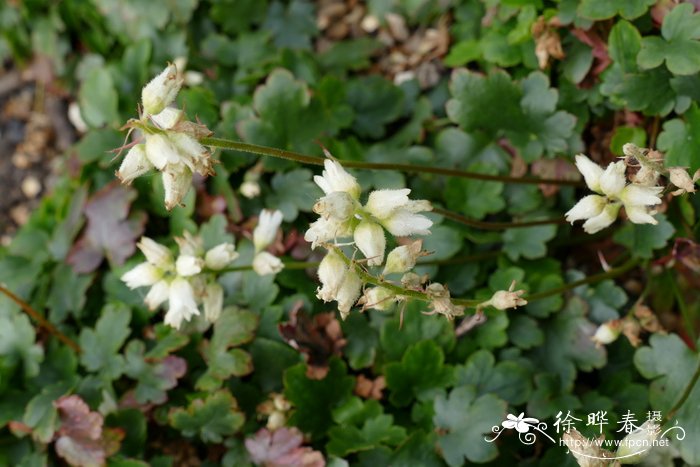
column 263, row 236
column 601, row 210
column 170, row 143
column 343, row 216
column 185, row 281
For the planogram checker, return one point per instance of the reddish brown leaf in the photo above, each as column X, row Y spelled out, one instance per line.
column 554, row 168
column 317, row 338
column 109, row 232
column 282, row 448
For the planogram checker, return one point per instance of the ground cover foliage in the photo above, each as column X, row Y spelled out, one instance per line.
column 512, row 88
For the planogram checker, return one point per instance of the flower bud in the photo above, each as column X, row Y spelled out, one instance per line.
column 168, row 118
column 187, row 265
column 266, row 230
column 155, row 253
column 134, row 165
column 369, row 238
column 403, row 258
column 607, row 332
column 335, row 178
column 213, row 301
column 338, row 205
column 189, row 244
column 680, row 177
column 502, row 300
column 220, row 256
column 142, row 275
column 331, row 272
column 636, row 446
column 266, row 263
column 161, row 91
column 182, row 305
column 348, row 293
column 176, row 183
column 161, row 151
column 192, row 153
column 250, row 189
column 379, row 298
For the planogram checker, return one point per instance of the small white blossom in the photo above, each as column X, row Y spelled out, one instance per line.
column 143, row 275
column 338, row 205
column 187, row 265
column 607, row 332
column 266, row 230
column 134, row 165
column 335, row 178
column 369, row 238
column 265, row 263
column 331, row 272
column 403, row 258
column 397, row 213
column 182, row 305
column 213, row 301
column 611, row 185
column 348, row 292
column 324, row 230
column 220, row 256
column 161, row 151
column 161, row 91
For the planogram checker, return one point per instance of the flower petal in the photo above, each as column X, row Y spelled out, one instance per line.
column 590, row 170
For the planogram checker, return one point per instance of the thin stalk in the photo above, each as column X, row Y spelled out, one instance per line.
column 408, row 168
column 36, row 316
column 684, row 396
column 626, row 266
column 494, row 225
column 685, row 312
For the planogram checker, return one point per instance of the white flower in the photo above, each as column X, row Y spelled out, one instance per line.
column 161, row 91
column 611, row 184
column 607, row 332
column 157, row 295
column 505, row 299
column 134, row 165
column 213, row 301
column 176, row 183
column 397, row 213
column 402, row 258
column 142, row 275
column 348, row 292
column 331, row 272
column 369, row 238
column 637, row 445
column 339, row 205
column 189, row 244
column 266, row 263
column 187, row 265
column 602, row 220
column 220, row 256
column 266, row 230
column 182, row 305
column 335, row 178
column 168, row 118
column 195, row 156
column 155, row 253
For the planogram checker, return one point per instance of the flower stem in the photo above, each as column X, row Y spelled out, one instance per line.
column 494, row 225
column 36, row 316
column 408, row 168
column 685, row 395
column 626, row 266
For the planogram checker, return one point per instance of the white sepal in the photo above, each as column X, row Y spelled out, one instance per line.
column 606, row 217
column 348, row 292
column 134, row 165
column 331, row 273
column 591, row 172
column 155, row 253
column 177, row 182
column 161, row 151
column 369, row 238
column 213, row 301
column 187, row 265
column 142, row 275
column 181, row 306
column 265, row 263
column 382, row 203
column 402, row 258
column 161, row 91
column 335, row 178
column 220, row 256
column 168, row 118
column 613, row 180
column 266, row 230
column 589, row 206
column 157, row 295
column 338, row 205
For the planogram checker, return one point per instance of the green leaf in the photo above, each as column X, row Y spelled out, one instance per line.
column 17, row 342
column 528, row 242
column 680, row 141
column 314, row 400
column 40, row 414
column 396, row 337
column 627, row 134
column 154, row 376
column 376, row 102
column 101, row 345
column 211, row 418
column 475, row 198
column 292, row 192
column 508, row 380
column 292, row 25
column 462, row 53
column 98, row 98
column 233, row 328
column 362, row 341
column 602, row 9
column 419, row 375
column 67, row 293
column 671, row 364
column 463, row 420
column 679, row 46
column 624, row 43
column 524, row 332
column 643, row 239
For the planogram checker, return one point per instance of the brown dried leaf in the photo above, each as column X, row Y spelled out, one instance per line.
column 282, row 448
column 370, row 388
column 647, row 319
column 109, row 232
column 599, row 46
column 317, row 338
